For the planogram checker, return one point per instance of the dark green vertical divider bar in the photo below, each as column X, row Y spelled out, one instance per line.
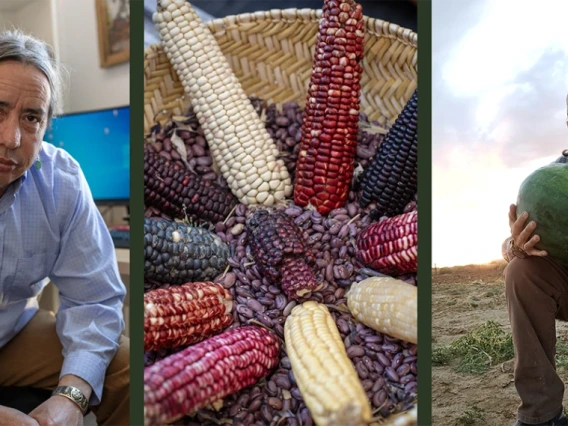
column 136, row 211
column 425, row 212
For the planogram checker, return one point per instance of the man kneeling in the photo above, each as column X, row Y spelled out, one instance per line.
column 50, row 227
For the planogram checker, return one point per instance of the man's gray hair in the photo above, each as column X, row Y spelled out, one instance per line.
column 18, row 46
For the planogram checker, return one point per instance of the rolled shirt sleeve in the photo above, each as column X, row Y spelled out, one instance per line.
column 89, row 321
column 506, row 250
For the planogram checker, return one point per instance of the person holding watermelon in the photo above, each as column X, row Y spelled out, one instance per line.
column 536, row 289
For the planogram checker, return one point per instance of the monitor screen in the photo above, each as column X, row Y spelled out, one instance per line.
column 100, row 142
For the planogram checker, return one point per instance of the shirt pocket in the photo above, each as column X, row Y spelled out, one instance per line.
column 30, row 277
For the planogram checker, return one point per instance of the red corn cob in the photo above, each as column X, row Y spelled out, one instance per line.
column 208, row 371
column 329, row 130
column 185, row 314
column 391, row 246
column 279, row 249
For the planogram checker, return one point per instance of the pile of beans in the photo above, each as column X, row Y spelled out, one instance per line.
column 387, row 367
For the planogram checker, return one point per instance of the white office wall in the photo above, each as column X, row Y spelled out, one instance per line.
column 8, row 20
column 91, row 87
column 34, row 18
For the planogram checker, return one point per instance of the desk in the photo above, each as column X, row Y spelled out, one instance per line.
column 49, row 298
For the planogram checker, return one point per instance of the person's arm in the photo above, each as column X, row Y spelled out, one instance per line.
column 506, row 249
column 89, row 321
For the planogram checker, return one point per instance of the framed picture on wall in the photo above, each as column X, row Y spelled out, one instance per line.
column 113, row 18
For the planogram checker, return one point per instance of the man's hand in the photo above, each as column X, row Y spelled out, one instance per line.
column 59, row 410
column 56, row 411
column 12, row 417
column 521, row 232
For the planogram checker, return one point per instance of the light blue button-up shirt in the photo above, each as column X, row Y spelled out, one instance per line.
column 50, row 229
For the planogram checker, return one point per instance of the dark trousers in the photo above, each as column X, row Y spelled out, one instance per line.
column 537, row 293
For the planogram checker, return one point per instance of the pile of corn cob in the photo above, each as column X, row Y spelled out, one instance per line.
column 381, row 368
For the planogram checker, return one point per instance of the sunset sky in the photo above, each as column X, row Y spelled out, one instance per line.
column 500, row 79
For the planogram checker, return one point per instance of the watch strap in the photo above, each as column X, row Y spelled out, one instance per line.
column 517, row 251
column 74, row 395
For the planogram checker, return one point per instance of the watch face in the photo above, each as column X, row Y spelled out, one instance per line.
column 76, row 394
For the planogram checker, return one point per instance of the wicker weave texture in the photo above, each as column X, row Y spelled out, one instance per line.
column 272, row 53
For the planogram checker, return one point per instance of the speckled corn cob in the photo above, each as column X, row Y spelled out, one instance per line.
column 185, row 315
column 390, row 178
column 175, row 253
column 206, row 372
column 391, row 245
column 387, row 305
column 237, row 138
column 181, row 193
column 325, row 376
column 281, row 253
column 329, row 130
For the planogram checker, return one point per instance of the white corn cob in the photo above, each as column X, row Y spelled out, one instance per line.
column 387, row 305
column 240, row 145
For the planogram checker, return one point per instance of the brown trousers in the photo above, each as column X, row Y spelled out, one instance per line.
column 33, row 358
column 537, row 293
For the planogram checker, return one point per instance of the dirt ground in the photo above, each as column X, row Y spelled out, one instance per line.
column 464, row 297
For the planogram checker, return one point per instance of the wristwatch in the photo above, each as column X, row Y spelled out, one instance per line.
column 74, row 395
column 517, row 251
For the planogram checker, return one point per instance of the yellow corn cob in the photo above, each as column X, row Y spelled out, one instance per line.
column 240, row 145
column 325, row 376
column 387, row 305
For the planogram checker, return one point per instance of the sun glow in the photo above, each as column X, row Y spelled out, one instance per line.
column 498, row 114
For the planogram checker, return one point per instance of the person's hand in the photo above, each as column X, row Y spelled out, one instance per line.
column 12, row 417
column 521, row 233
column 58, row 410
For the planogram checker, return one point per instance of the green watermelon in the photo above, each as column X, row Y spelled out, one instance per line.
column 544, row 195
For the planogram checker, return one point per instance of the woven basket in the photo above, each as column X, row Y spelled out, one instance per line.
column 272, row 53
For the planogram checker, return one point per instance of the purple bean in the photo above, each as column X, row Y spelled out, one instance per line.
column 229, row 280
column 329, row 273
column 397, row 360
column 209, row 176
column 293, row 211
column 411, row 387
column 379, row 398
column 241, row 210
column 241, row 309
column 378, row 384
column 391, row 375
column 352, row 210
column 355, row 351
column 296, row 394
column 283, row 382
column 289, row 308
column 280, row 301
column 403, row 369
column 383, row 359
column 362, row 370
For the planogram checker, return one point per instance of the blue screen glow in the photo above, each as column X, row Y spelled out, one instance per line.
column 100, row 142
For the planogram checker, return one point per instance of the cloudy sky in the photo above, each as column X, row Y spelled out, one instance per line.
column 500, row 80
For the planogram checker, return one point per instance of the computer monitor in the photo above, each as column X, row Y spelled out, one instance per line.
column 100, row 142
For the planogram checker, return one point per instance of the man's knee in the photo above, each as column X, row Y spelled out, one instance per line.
column 123, row 353
column 120, row 364
column 520, row 274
